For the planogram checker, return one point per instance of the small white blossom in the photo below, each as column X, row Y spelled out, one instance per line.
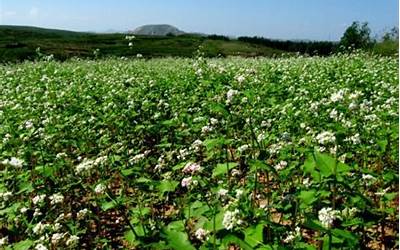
column 230, row 94
column 338, row 96
column 281, row 165
column 186, row 181
column 5, row 196
column 56, row 198
column 191, row 168
column 39, row 228
column 243, row 148
column 3, row 241
column 55, row 238
column 100, row 188
column 239, row 193
column 28, row 124
column 196, row 145
column 231, row 219
column 327, row 216
column 85, row 166
column 38, row 199
column 37, row 212
column 213, row 121
column 72, row 241
column 326, row 137
column 14, row 162
column 40, row 247
column 82, row 213
column 201, row 234
column 222, row 192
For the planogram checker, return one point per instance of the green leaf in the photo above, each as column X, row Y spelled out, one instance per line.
column 108, row 205
column 167, row 186
column 342, row 168
column 325, row 163
column 127, row 172
column 178, row 240
column 308, row 197
column 254, row 235
column 345, row 235
column 230, row 238
column 23, row 245
column 390, row 196
column 223, row 168
column 130, row 237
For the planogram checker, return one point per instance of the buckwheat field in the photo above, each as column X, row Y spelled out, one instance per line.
column 234, row 153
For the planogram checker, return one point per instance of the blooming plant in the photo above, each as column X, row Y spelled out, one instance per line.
column 289, row 153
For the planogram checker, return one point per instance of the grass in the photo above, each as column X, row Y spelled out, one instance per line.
column 18, row 43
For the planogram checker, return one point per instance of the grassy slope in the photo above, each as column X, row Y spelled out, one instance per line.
column 19, row 43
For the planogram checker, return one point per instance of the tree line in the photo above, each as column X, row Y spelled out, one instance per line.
column 356, row 36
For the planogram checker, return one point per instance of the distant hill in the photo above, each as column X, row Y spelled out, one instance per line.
column 157, row 30
column 18, row 43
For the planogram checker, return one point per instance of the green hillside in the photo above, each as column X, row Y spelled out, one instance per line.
column 20, row 42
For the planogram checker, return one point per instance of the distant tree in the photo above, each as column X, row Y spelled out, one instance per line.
column 357, row 36
column 392, row 35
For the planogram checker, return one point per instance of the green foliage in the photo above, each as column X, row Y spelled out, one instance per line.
column 357, row 36
column 295, row 153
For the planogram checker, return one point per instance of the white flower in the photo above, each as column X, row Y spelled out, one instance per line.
column 82, row 213
column 38, row 199
column 222, row 192
column 326, row 137
column 235, row 172
column 37, row 212
column 196, row 145
column 201, row 234
column 40, row 247
column 100, row 188
column 338, row 96
column 85, row 166
column 333, row 114
column 307, row 182
column 239, row 193
column 349, row 212
column 191, row 168
column 231, row 219
column 23, row 210
column 186, row 181
column 281, row 165
column 206, row 129
column 6, row 195
column 243, row 148
column 240, row 78
column 39, row 228
column 14, row 162
column 55, row 238
column 56, row 198
column 327, row 216
column 261, row 136
column 230, row 94
column 130, row 44
column 28, row 124
column 3, row 241
column 213, row 121
column 137, row 158
column 292, row 235
column 72, row 241
column 368, row 177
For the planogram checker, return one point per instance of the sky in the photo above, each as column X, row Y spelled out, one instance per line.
column 278, row 19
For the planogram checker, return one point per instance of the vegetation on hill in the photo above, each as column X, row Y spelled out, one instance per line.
column 20, row 43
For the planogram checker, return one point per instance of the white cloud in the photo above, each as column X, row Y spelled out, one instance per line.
column 33, row 12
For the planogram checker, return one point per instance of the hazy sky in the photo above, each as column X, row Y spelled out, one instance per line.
column 285, row 19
